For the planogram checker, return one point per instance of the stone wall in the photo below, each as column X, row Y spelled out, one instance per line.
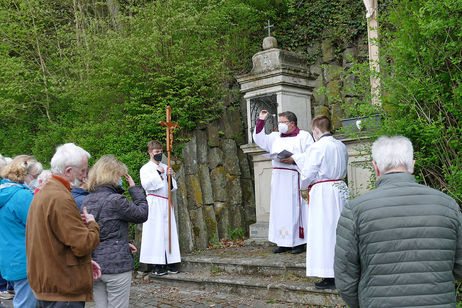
column 216, row 189
column 327, row 70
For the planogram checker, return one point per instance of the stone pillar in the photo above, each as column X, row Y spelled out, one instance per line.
column 359, row 170
column 279, row 81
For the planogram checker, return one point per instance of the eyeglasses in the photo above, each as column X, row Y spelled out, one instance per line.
column 287, row 122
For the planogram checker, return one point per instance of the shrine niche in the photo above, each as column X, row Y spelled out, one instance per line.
column 269, row 103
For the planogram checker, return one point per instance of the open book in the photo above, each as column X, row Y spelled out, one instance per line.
column 284, row 154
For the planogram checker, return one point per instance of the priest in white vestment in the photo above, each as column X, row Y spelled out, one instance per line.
column 287, row 222
column 155, row 239
column 323, row 168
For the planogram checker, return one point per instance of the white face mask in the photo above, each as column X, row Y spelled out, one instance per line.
column 283, row 128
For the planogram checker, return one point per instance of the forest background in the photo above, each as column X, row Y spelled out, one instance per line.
column 100, row 73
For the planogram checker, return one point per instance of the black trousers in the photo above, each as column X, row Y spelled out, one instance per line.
column 47, row 304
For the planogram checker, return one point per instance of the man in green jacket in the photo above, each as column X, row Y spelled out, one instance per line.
column 399, row 245
column 59, row 241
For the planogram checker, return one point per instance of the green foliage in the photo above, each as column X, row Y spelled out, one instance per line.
column 79, row 71
column 235, row 234
column 307, row 21
column 422, row 74
column 214, row 243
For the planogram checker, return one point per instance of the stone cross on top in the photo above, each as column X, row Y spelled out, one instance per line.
column 269, row 41
column 269, row 26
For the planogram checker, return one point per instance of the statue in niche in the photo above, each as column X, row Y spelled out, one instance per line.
column 268, row 102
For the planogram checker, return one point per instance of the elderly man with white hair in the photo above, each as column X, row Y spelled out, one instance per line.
column 59, row 241
column 399, row 245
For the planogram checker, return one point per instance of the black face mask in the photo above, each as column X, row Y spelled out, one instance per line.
column 158, row 157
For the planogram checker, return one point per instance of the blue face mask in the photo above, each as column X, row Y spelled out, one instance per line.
column 120, row 182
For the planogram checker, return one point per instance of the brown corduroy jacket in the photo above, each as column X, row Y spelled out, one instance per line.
column 59, row 246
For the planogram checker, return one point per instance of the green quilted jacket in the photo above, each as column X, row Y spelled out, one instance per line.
column 399, row 245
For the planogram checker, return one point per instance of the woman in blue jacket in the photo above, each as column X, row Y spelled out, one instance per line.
column 15, row 199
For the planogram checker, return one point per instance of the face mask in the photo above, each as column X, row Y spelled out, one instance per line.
column 120, row 182
column 283, row 128
column 158, row 157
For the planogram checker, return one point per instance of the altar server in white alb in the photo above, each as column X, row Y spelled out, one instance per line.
column 287, row 223
column 323, row 167
column 154, row 241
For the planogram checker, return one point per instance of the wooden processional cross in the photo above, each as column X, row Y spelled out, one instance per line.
column 170, row 126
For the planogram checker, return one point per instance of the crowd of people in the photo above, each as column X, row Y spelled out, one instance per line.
column 65, row 231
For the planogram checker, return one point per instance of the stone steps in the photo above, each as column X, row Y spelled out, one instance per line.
column 251, row 272
column 296, row 292
column 242, row 266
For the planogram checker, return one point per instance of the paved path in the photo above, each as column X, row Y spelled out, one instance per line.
column 148, row 295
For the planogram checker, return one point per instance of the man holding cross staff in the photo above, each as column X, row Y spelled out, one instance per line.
column 159, row 242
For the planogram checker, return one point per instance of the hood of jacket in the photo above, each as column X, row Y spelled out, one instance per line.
column 8, row 189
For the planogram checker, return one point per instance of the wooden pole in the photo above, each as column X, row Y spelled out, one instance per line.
column 169, row 126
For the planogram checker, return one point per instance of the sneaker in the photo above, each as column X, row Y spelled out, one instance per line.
column 6, row 295
column 326, row 283
column 298, row 249
column 281, row 249
column 172, row 269
column 159, row 270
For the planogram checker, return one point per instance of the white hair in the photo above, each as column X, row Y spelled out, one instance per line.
column 44, row 176
column 391, row 152
column 67, row 155
column 3, row 162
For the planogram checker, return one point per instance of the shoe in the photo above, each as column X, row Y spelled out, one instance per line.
column 326, row 283
column 281, row 249
column 298, row 249
column 159, row 270
column 172, row 269
column 6, row 295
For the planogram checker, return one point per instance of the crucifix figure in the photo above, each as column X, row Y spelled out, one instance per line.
column 170, row 126
column 269, row 26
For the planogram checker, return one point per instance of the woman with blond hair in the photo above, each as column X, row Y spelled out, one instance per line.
column 15, row 199
column 113, row 211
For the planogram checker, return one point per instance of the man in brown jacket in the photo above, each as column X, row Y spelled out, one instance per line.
column 59, row 241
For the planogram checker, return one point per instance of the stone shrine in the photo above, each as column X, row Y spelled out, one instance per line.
column 279, row 81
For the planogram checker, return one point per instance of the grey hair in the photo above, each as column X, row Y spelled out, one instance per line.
column 35, row 169
column 391, row 152
column 67, row 155
column 3, row 162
